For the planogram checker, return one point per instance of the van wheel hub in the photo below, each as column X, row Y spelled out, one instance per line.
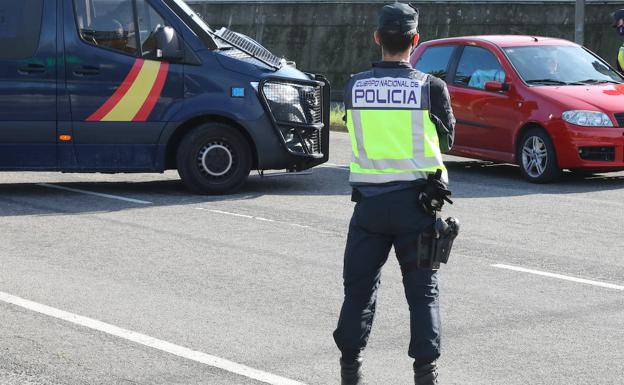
column 215, row 159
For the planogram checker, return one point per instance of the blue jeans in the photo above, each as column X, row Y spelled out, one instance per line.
column 378, row 223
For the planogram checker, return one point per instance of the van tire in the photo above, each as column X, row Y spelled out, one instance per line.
column 536, row 141
column 214, row 158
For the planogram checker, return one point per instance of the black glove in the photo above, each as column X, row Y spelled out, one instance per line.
column 434, row 194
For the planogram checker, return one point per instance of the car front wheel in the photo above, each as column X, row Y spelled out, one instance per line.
column 537, row 158
column 214, row 158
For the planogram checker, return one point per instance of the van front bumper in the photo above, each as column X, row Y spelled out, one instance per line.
column 299, row 112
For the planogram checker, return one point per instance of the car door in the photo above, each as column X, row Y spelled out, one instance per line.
column 486, row 119
column 28, row 84
column 120, row 91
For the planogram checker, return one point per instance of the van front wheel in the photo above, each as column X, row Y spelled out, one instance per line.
column 214, row 158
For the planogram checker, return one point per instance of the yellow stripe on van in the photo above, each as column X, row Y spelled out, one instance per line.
column 127, row 108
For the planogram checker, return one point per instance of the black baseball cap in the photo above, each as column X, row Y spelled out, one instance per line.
column 619, row 14
column 398, row 17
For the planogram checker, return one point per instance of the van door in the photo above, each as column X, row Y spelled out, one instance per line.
column 120, row 92
column 28, row 85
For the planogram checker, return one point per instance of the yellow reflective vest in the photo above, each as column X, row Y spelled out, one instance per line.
column 392, row 135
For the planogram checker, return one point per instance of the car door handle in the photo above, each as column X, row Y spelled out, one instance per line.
column 87, row 71
column 31, row 68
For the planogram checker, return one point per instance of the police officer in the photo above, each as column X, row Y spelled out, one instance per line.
column 399, row 120
column 618, row 24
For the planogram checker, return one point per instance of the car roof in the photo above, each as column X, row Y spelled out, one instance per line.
column 505, row 40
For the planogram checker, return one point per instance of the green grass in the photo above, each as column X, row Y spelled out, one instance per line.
column 335, row 119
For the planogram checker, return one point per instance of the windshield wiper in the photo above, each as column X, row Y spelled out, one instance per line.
column 547, row 81
column 597, row 81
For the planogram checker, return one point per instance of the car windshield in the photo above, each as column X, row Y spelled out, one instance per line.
column 560, row 65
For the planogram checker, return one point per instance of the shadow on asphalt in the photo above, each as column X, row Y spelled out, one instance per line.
column 469, row 179
column 32, row 199
column 479, row 179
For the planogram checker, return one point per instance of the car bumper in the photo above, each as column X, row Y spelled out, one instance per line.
column 591, row 148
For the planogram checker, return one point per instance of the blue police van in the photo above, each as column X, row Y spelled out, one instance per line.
column 146, row 86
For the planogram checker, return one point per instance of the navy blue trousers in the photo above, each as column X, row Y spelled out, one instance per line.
column 378, row 223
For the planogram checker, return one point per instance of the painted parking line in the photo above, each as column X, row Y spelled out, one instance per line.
column 262, row 219
column 101, row 195
column 334, row 165
column 560, row 276
column 151, row 342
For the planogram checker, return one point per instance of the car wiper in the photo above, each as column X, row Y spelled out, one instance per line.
column 547, row 81
column 597, row 81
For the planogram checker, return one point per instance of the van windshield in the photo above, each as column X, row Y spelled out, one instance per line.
column 560, row 65
column 194, row 22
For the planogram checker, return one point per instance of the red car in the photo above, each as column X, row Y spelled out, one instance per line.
column 545, row 104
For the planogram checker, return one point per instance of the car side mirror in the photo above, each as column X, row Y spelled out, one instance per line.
column 496, row 86
column 168, row 44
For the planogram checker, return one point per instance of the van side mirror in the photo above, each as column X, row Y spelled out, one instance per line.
column 496, row 86
column 168, row 44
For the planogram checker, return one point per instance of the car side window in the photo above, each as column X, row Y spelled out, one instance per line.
column 478, row 66
column 149, row 22
column 20, row 28
column 107, row 24
column 435, row 60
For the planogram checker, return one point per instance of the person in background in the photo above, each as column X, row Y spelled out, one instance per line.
column 618, row 24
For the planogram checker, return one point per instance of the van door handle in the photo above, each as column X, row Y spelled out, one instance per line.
column 31, row 68
column 87, row 71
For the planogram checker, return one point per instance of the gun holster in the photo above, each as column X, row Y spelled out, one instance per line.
column 435, row 244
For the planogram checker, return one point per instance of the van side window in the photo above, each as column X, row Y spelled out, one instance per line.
column 20, row 27
column 478, row 66
column 435, row 60
column 107, row 23
column 149, row 22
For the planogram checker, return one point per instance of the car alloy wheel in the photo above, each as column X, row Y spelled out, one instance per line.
column 534, row 156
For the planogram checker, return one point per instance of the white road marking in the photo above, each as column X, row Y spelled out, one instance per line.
column 261, row 219
column 227, row 213
column 333, row 165
column 560, row 276
column 151, row 342
column 109, row 196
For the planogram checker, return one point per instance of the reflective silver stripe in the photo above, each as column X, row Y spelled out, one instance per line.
column 385, row 178
column 358, row 133
column 419, row 143
column 394, row 177
column 418, row 134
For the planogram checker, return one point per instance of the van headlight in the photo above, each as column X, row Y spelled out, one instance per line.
column 292, row 102
column 587, row 118
column 281, row 93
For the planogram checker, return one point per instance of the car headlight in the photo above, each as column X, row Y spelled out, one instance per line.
column 587, row 118
column 281, row 93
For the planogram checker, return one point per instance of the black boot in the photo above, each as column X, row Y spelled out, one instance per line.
column 426, row 374
column 351, row 371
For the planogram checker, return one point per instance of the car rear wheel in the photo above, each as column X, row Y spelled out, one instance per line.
column 214, row 158
column 537, row 158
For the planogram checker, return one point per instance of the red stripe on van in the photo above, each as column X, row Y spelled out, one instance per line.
column 154, row 95
column 118, row 94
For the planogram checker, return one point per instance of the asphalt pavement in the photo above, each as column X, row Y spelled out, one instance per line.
column 246, row 289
